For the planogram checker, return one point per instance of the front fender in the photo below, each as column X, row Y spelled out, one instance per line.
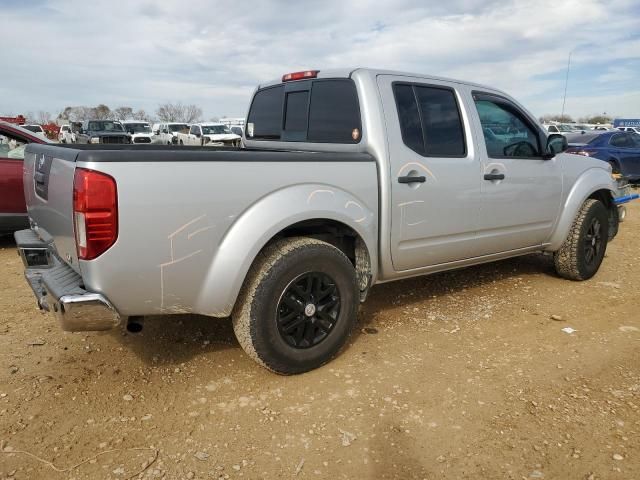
column 264, row 219
column 590, row 181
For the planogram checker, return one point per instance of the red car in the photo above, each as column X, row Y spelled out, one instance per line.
column 13, row 211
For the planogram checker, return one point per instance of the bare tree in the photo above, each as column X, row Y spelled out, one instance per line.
column 141, row 115
column 102, row 112
column 558, row 118
column 177, row 112
column 122, row 113
column 43, row 118
column 192, row 113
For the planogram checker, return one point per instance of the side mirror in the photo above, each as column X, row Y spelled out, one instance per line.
column 198, row 135
column 165, row 131
column 556, row 143
column 156, row 132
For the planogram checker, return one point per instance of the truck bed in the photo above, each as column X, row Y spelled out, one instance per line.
column 187, row 214
column 175, row 153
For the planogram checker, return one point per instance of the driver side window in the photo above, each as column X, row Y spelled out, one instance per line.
column 506, row 133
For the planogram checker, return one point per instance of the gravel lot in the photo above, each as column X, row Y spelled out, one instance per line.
column 454, row 376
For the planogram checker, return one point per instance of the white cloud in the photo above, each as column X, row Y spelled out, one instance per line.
column 143, row 53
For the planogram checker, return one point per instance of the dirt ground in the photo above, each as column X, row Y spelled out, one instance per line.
column 461, row 375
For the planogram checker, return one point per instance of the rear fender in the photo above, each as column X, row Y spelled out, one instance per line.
column 589, row 182
column 261, row 222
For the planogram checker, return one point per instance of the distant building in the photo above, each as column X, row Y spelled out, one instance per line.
column 626, row 122
column 232, row 122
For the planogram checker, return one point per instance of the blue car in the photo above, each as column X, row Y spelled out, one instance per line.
column 620, row 149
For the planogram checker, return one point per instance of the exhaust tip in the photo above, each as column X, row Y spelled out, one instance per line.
column 135, row 324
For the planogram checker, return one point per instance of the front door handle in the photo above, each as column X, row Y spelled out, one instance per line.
column 410, row 179
column 494, row 176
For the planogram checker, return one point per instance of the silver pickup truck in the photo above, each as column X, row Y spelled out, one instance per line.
column 347, row 178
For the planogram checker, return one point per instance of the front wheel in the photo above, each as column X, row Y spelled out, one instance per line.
column 581, row 254
column 298, row 305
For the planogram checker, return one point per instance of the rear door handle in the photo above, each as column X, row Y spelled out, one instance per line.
column 408, row 179
column 494, row 176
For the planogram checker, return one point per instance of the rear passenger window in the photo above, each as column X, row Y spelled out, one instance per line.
column 334, row 115
column 430, row 120
column 621, row 140
column 409, row 118
column 266, row 113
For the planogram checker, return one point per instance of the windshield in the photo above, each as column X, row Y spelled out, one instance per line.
column 565, row 128
column 105, row 126
column 177, row 127
column 215, row 129
column 138, row 127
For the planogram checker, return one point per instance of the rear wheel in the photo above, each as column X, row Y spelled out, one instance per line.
column 581, row 254
column 298, row 306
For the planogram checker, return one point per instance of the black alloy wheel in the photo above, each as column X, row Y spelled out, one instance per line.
column 308, row 310
column 593, row 242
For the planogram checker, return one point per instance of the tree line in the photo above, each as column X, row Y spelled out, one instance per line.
column 166, row 112
column 591, row 119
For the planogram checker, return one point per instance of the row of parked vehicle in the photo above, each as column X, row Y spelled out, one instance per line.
column 210, row 134
column 569, row 128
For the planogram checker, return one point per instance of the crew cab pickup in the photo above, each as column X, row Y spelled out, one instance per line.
column 209, row 135
column 348, row 178
column 167, row 133
column 102, row 131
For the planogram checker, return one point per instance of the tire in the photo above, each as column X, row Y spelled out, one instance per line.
column 281, row 328
column 581, row 254
column 615, row 167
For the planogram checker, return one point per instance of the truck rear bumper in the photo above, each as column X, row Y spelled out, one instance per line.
column 59, row 289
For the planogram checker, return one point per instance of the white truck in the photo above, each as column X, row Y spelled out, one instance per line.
column 66, row 134
column 140, row 131
column 209, row 135
column 167, row 133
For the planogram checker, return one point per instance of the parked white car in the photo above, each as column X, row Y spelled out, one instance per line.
column 66, row 135
column 140, row 131
column 209, row 135
column 36, row 129
column 561, row 128
column 167, row 133
column 630, row 129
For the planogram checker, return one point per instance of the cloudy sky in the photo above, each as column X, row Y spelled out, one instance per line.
column 212, row 53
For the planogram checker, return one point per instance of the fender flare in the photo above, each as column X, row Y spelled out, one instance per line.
column 262, row 221
column 589, row 182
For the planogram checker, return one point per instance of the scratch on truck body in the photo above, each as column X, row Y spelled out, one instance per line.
column 315, row 192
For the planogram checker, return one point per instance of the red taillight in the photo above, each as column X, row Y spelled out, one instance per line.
column 95, row 212
column 300, row 75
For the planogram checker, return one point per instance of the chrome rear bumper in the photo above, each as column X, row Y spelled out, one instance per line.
column 59, row 289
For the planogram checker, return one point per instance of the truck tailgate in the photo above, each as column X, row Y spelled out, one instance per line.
column 48, row 187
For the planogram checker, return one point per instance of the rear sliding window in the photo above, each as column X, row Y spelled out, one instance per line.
column 430, row 120
column 321, row 111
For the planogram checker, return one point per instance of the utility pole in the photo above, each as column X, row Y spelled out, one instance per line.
column 566, row 82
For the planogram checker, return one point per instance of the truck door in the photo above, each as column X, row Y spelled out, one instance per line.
column 435, row 173
column 521, row 192
column 194, row 135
